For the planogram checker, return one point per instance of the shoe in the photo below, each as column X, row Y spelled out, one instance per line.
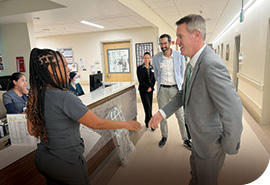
column 162, row 142
column 188, row 144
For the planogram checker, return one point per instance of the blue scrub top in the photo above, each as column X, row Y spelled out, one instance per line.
column 14, row 104
column 78, row 91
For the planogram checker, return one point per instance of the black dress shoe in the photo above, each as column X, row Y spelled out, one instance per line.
column 162, row 142
column 188, row 144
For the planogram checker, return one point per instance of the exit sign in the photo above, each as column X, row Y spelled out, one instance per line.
column 242, row 15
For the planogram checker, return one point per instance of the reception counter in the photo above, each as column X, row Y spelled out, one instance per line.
column 17, row 162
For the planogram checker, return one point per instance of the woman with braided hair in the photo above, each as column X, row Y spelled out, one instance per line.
column 54, row 115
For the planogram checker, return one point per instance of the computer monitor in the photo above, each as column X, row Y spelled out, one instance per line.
column 4, row 80
column 95, row 81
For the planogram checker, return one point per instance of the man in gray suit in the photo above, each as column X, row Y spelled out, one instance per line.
column 212, row 107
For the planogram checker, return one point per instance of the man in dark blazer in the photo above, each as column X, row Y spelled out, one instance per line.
column 145, row 75
column 213, row 109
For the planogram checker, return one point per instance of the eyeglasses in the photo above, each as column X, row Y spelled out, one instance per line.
column 162, row 44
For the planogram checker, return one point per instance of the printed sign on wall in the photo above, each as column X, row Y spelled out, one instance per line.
column 20, row 64
column 2, row 69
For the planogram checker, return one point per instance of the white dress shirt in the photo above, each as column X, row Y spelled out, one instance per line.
column 167, row 65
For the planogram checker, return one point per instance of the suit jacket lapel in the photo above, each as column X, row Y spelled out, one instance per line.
column 194, row 74
column 159, row 63
column 184, row 84
column 191, row 81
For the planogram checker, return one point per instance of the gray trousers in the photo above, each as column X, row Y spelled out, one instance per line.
column 164, row 96
column 206, row 171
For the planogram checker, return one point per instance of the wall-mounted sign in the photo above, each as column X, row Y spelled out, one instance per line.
column 73, row 67
column 242, row 15
column 20, row 64
column 227, row 51
column 2, row 68
column 67, row 53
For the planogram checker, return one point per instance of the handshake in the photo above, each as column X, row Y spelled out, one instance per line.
column 155, row 120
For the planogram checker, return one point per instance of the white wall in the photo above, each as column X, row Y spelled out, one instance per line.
column 88, row 46
column 16, row 40
column 253, row 33
column 3, row 56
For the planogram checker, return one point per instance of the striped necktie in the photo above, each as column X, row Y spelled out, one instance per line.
column 189, row 71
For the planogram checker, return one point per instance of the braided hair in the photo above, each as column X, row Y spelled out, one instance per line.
column 44, row 73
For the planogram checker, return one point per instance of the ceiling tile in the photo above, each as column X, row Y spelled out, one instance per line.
column 65, row 16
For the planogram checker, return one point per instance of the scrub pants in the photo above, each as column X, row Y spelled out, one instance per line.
column 58, row 171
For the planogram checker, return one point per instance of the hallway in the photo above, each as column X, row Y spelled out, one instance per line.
column 170, row 165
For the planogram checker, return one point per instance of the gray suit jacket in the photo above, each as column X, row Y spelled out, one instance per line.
column 213, row 109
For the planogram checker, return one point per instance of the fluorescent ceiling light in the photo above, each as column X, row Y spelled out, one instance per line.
column 92, row 24
column 246, row 7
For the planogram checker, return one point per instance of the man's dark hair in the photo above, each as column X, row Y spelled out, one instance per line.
column 165, row 36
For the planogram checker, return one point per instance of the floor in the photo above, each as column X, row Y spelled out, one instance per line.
column 170, row 165
column 2, row 144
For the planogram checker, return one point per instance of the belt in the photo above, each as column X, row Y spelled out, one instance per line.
column 168, row 85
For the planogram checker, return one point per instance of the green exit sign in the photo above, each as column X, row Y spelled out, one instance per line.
column 242, row 15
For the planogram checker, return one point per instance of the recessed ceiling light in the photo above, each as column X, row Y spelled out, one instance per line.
column 92, row 24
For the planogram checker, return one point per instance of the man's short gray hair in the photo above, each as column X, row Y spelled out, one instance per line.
column 194, row 22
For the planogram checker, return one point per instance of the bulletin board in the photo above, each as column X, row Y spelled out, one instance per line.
column 141, row 48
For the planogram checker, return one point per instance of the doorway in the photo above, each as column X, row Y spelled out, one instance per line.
column 236, row 61
column 266, row 87
column 118, row 63
column 221, row 54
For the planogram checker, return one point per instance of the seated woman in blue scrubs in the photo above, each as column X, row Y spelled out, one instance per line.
column 74, row 85
column 15, row 99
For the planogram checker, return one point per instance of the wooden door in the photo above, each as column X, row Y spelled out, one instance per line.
column 118, row 65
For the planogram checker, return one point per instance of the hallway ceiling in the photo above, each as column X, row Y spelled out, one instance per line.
column 59, row 17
